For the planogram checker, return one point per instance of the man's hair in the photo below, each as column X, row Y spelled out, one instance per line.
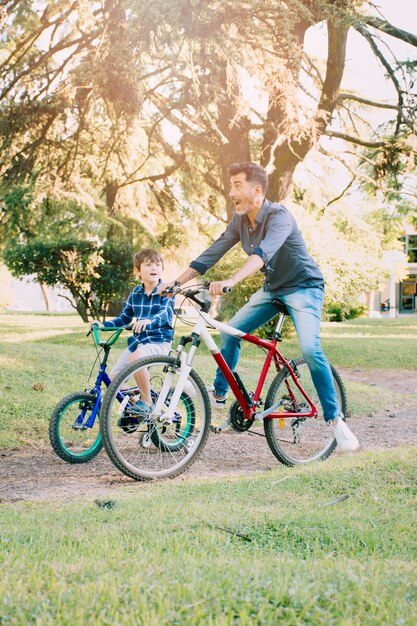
column 254, row 173
column 147, row 254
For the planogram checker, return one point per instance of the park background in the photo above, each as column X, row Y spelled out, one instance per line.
column 118, row 121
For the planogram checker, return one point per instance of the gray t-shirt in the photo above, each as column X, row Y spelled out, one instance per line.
column 277, row 239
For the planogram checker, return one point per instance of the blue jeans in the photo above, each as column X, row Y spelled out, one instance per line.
column 304, row 307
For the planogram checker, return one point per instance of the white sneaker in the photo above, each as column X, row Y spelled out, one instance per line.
column 216, row 403
column 346, row 440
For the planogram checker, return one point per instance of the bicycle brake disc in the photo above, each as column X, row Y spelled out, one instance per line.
column 237, row 419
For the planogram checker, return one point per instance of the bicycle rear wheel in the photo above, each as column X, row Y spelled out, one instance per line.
column 300, row 440
column 156, row 447
column 73, row 430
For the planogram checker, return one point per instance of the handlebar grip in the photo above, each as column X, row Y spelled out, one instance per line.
column 227, row 289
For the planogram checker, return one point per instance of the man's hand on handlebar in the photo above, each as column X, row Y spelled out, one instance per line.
column 167, row 289
column 220, row 287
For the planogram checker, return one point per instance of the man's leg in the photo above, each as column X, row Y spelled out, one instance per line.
column 305, row 307
column 254, row 314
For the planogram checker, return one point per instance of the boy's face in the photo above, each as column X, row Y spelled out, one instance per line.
column 150, row 271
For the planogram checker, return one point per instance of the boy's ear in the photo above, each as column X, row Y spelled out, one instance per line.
column 136, row 271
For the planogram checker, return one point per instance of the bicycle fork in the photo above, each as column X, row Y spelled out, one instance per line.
column 184, row 362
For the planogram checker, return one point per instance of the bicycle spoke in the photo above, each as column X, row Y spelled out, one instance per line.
column 166, row 441
column 299, row 440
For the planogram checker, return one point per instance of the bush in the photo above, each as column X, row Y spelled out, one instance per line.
column 94, row 274
column 338, row 312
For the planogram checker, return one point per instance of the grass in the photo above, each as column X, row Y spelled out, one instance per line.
column 284, row 547
column 265, row 550
column 53, row 351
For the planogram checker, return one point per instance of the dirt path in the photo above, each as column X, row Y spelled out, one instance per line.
column 34, row 473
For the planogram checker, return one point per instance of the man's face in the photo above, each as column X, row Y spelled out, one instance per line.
column 243, row 194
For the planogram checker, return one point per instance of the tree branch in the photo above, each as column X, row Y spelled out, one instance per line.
column 371, row 103
column 389, row 29
column 356, row 140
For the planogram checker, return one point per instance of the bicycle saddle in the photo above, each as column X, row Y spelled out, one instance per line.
column 280, row 306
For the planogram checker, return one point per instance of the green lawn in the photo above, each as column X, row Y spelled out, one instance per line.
column 281, row 548
column 286, row 547
column 53, row 350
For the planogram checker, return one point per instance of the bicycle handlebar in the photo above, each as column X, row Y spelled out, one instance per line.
column 176, row 288
column 117, row 332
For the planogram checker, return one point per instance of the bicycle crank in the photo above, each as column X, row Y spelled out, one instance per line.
column 237, row 419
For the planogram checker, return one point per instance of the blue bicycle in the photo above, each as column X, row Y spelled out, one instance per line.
column 74, row 426
column 74, row 430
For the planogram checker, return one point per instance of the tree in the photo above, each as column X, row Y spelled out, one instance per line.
column 137, row 109
column 94, row 275
column 79, row 77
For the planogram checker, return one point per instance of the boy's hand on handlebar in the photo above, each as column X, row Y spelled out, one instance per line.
column 96, row 323
column 218, row 288
column 140, row 325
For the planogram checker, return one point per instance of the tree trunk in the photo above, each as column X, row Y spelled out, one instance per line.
column 45, row 296
column 235, row 130
column 290, row 153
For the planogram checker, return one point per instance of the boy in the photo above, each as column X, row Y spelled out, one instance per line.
column 152, row 331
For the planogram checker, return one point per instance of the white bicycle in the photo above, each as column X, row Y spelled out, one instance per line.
column 168, row 440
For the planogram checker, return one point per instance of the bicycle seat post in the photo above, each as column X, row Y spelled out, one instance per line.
column 278, row 328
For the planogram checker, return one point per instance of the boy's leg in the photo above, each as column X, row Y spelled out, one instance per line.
column 142, row 376
column 255, row 313
column 305, row 308
column 121, row 363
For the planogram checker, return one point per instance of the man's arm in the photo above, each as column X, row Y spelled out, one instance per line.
column 251, row 266
column 189, row 274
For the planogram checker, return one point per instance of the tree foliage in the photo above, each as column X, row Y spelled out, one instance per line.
column 94, row 275
column 134, row 111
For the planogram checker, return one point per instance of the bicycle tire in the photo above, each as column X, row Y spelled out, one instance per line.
column 75, row 445
column 314, row 442
column 166, row 458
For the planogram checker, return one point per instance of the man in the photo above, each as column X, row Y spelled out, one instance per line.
column 270, row 236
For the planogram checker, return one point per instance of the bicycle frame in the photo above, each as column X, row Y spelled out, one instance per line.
column 102, row 376
column 247, row 404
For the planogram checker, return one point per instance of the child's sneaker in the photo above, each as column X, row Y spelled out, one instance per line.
column 134, row 415
column 141, row 409
column 217, row 402
column 346, row 440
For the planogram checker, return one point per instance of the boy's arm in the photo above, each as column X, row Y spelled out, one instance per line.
column 125, row 317
column 164, row 316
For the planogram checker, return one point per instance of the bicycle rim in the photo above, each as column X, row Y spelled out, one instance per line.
column 156, row 447
column 72, row 434
column 300, row 440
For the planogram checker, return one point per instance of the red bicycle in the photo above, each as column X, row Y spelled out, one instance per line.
column 171, row 438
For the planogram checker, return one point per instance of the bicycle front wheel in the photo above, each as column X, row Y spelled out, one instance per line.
column 155, row 446
column 300, row 440
column 74, row 429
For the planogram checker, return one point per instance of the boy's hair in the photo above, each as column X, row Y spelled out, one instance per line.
column 147, row 254
column 254, row 173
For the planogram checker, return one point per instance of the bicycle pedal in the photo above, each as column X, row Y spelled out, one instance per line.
column 224, row 426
